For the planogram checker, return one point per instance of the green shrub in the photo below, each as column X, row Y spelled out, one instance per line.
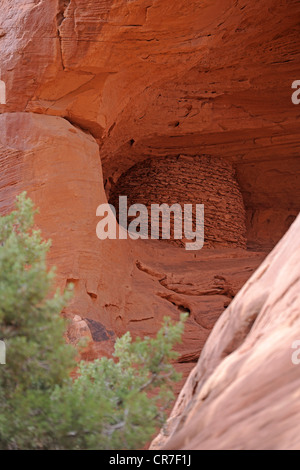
column 108, row 405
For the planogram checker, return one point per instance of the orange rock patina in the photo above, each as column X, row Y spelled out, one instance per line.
column 95, row 89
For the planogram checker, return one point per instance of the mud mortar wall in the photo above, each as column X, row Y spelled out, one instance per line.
column 189, row 180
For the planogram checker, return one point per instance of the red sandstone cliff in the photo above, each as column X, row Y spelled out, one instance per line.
column 244, row 391
column 95, row 87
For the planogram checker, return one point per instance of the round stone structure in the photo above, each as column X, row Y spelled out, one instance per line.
column 189, row 180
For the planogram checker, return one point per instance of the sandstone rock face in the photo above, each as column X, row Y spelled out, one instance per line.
column 146, row 79
column 244, row 391
column 94, row 87
column 47, row 157
column 119, row 285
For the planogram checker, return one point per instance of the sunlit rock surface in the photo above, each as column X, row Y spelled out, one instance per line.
column 94, row 87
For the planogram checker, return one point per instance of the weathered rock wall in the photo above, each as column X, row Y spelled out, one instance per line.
column 244, row 391
column 150, row 79
column 95, row 87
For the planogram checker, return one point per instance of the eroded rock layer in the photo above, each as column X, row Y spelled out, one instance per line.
column 244, row 391
column 94, row 87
